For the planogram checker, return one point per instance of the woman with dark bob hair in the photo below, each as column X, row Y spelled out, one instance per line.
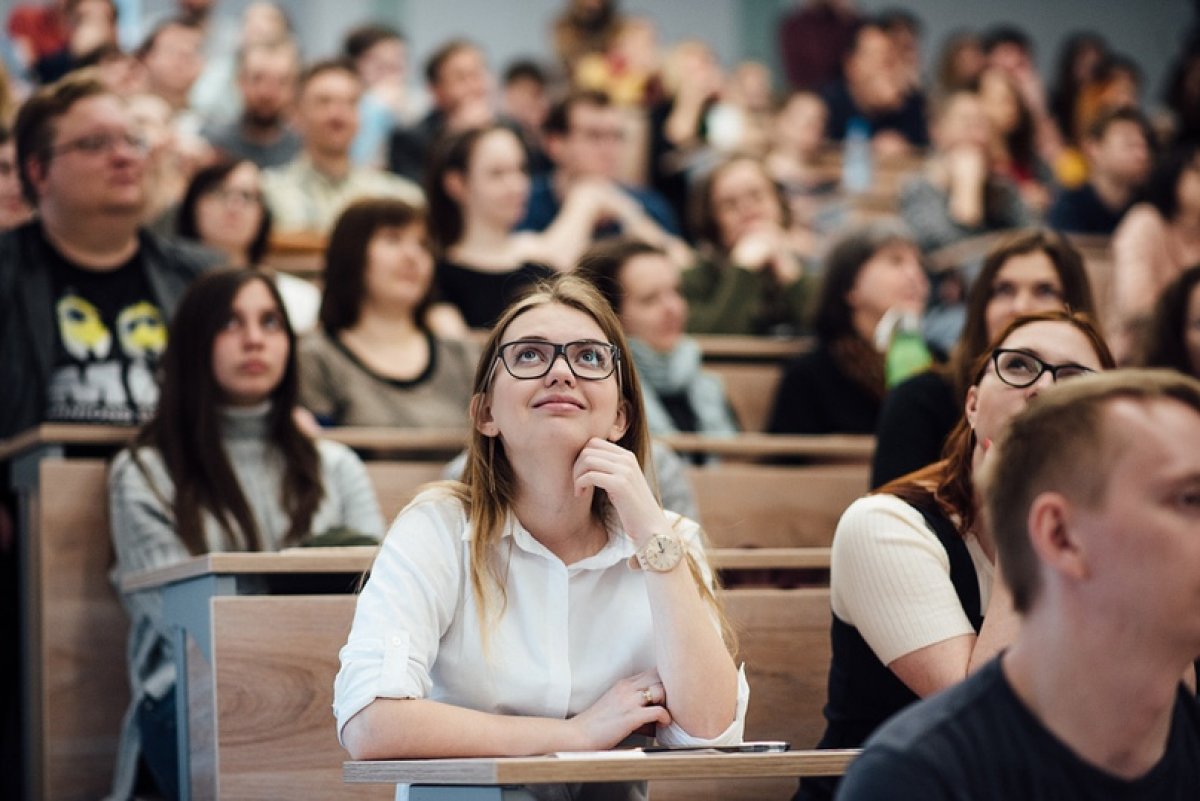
column 222, row 466
column 224, row 209
column 1024, row 272
column 839, row 386
column 478, row 188
column 546, row 602
column 1174, row 337
column 1156, row 240
column 749, row 274
column 376, row 360
column 915, row 600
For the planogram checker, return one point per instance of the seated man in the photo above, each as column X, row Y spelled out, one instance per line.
column 584, row 139
column 266, row 78
column 308, row 194
column 460, row 85
column 1094, row 502
column 85, row 293
column 874, row 89
column 1118, row 155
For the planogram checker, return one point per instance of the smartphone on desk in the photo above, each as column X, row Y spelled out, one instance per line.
column 749, row 747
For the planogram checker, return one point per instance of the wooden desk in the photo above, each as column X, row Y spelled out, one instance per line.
column 257, row 672
column 484, row 779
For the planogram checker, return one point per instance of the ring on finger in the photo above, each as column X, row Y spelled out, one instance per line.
column 647, row 696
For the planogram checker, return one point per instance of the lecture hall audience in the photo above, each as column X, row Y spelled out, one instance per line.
column 724, row 195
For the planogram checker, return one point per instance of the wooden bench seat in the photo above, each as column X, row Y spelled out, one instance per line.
column 275, row 659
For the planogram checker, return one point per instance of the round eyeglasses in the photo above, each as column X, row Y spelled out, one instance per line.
column 1021, row 369
column 587, row 359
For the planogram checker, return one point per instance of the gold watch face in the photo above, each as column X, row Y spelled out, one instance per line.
column 662, row 552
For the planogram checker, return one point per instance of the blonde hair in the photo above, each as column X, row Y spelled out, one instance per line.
column 489, row 487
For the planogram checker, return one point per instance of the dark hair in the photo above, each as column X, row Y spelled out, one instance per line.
column 1166, row 345
column 361, row 39
column 558, row 120
column 896, row 17
column 1108, row 117
column 833, row 318
column 6, row 133
column 953, row 477
column 151, row 39
column 73, row 5
column 1066, row 87
column 452, row 154
column 346, row 260
column 1064, row 443
column 525, row 69
column 35, row 128
column 1162, row 187
column 1020, row 141
column 700, row 205
column 208, row 180
column 186, row 428
column 1076, row 291
column 438, row 58
column 601, row 265
column 1005, row 35
column 318, row 68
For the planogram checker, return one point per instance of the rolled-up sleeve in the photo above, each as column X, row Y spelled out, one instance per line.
column 405, row 607
column 674, row 735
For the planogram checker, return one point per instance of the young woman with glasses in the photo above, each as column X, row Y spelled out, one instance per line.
column 915, row 600
column 546, row 602
column 1028, row 271
column 223, row 208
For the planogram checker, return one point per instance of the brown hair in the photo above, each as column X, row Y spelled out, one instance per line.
column 601, row 264
column 489, row 485
column 950, row 483
column 34, row 129
column 704, row 216
column 346, row 260
column 318, row 68
column 453, row 153
column 1076, row 295
column 1062, row 443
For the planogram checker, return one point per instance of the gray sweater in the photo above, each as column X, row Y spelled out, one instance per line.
column 143, row 534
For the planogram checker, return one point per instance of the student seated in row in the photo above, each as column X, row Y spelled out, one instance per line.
column 1092, row 498
column 915, row 603
column 222, row 466
column 547, row 602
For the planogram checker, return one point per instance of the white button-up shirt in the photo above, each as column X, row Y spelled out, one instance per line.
column 565, row 636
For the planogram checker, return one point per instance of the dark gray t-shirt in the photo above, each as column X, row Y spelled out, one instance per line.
column 978, row 742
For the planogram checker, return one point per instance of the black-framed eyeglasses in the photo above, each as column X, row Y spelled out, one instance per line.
column 587, row 359
column 104, row 142
column 1020, row 369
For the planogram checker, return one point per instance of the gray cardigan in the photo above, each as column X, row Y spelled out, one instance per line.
column 143, row 536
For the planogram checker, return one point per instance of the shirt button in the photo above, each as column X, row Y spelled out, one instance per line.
column 396, row 641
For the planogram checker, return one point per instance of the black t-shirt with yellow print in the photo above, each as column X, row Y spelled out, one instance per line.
column 110, row 337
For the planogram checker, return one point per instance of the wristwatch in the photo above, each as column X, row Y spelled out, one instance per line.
column 661, row 553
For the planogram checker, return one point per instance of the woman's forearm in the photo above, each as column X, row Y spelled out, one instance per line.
column 693, row 661
column 414, row 728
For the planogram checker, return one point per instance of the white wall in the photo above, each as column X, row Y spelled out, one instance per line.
column 1150, row 31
